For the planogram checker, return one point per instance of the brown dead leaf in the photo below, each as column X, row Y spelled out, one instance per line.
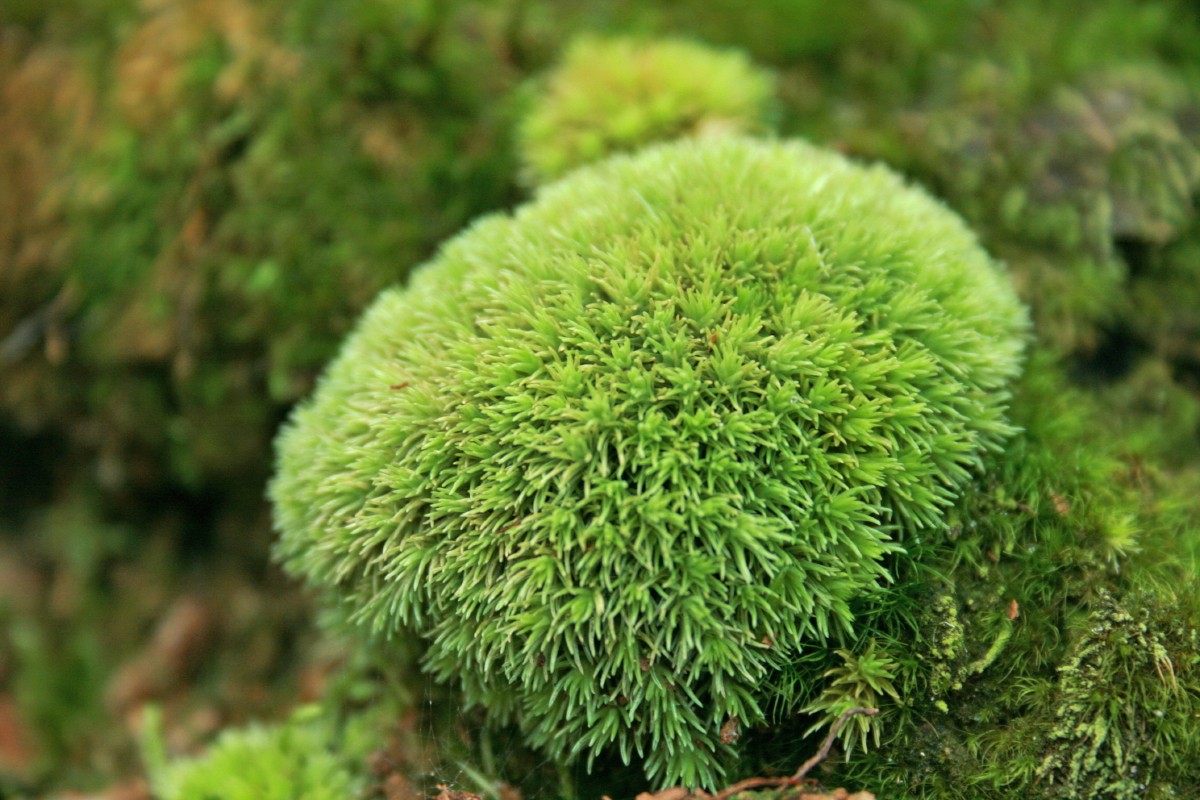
column 839, row 794
column 184, row 635
column 130, row 790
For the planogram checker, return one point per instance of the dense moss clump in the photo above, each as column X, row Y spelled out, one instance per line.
column 616, row 95
column 623, row 454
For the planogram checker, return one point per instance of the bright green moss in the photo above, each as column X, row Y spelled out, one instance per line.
column 616, row 95
column 299, row 759
column 623, row 454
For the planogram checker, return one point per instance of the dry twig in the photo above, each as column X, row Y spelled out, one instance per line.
column 679, row 793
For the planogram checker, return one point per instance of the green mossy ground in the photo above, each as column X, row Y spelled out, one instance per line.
column 198, row 197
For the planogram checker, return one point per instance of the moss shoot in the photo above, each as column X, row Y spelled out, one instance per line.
column 623, row 454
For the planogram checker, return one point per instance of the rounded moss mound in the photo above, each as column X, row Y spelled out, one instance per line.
column 617, row 95
column 619, row 456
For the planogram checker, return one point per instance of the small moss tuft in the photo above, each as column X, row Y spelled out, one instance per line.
column 299, row 759
column 617, row 95
column 861, row 681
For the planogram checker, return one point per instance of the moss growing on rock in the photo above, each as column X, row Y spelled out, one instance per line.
column 1068, row 572
column 624, row 454
column 1078, row 185
column 1120, row 704
column 616, row 95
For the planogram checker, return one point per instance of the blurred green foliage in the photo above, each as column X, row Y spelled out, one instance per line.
column 305, row 758
column 617, row 95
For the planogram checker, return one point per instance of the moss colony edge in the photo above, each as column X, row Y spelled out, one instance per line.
column 622, row 455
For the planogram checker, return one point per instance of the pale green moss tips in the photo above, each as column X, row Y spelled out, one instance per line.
column 617, row 95
column 621, row 455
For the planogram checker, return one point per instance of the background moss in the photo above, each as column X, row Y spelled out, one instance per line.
column 617, row 95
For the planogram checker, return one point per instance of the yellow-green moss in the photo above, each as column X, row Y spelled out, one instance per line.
column 616, row 95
